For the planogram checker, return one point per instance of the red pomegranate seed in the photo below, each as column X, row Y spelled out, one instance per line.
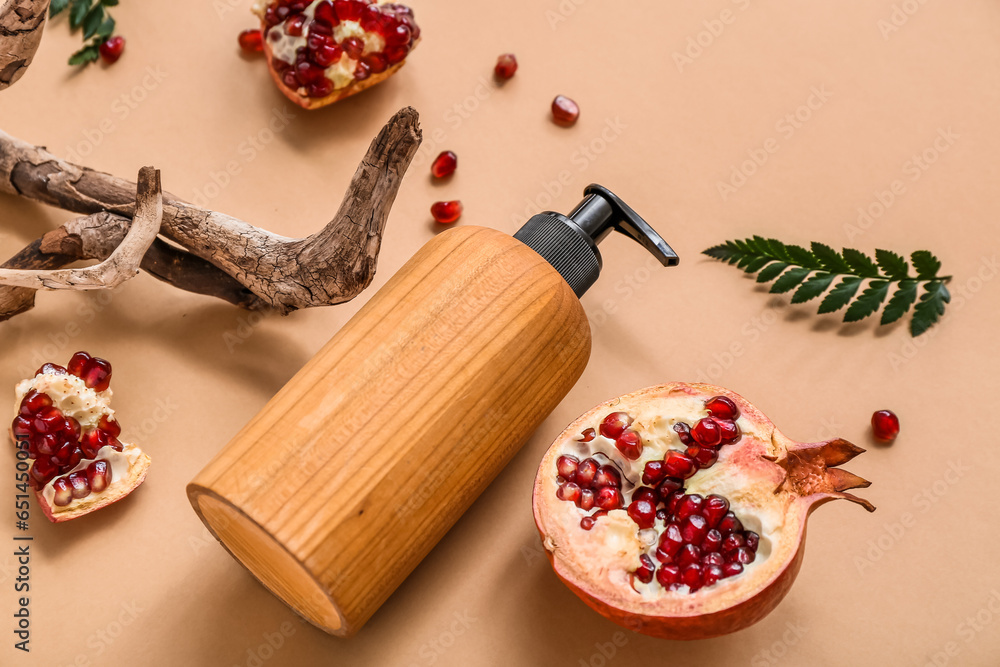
column 679, row 464
column 743, row 555
column 395, row 54
column 730, row 569
column 728, row 430
column 705, row 457
column 722, row 407
column 376, row 63
column 47, row 444
column 684, row 433
column 354, row 47
column 885, row 425
column 653, row 472
column 752, row 540
column 33, row 402
column 92, row 441
column 324, row 12
column 707, row 433
column 691, row 575
column 711, row 574
column 21, row 428
column 320, row 88
column 99, row 475
column 674, row 501
column 714, row 509
column 295, row 25
column 668, row 574
column 688, row 555
column 644, row 572
column 643, row 513
column 398, row 35
column 445, row 165
column 97, row 374
column 446, row 212
column 645, row 493
column 78, row 363
column 371, row 18
column 326, row 54
column 712, row 541
column 668, row 487
column 614, row 425
column 588, row 435
column 662, row 515
column 730, row 543
column 505, row 67
column 630, row 445
column 586, row 472
column 48, row 420
column 712, row 558
column 111, row 49
column 588, row 522
column 566, row 467
column 729, row 524
column 607, row 475
column 63, row 492
column 80, row 487
column 289, row 79
column 41, row 473
column 690, row 505
column 110, row 426
column 586, row 500
column 568, row 491
column 348, row 10
column 51, row 368
column 564, row 111
column 609, row 498
column 694, row 529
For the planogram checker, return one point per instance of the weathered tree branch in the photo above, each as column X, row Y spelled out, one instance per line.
column 21, row 25
column 332, row 266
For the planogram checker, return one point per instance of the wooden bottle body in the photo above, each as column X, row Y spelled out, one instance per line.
column 351, row 474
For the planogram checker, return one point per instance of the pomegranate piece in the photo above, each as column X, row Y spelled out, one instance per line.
column 506, row 66
column 65, row 437
column 885, row 425
column 446, row 212
column 444, row 165
column 565, row 111
column 111, row 49
column 694, row 579
column 630, row 445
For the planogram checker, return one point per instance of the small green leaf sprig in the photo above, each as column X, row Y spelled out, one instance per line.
column 812, row 272
column 92, row 17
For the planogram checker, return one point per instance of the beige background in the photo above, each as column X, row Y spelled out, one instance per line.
column 142, row 583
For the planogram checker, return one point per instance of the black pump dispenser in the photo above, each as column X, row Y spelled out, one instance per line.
column 569, row 243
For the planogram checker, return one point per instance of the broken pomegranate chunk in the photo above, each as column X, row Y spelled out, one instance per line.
column 67, row 428
column 699, row 535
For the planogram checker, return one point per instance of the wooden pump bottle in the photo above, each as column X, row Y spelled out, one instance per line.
column 352, row 473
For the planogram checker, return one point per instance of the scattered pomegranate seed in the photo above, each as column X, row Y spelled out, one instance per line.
column 111, row 49
column 564, row 111
column 446, row 212
column 885, row 425
column 444, row 164
column 505, row 67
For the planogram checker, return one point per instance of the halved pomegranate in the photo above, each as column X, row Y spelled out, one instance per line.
column 699, row 514
column 66, row 425
column 323, row 51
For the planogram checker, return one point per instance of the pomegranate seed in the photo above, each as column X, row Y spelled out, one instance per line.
column 674, row 501
column 92, row 441
column 48, row 420
column 371, row 18
column 587, row 522
column 730, row 543
column 99, row 475
column 398, row 35
column 320, row 88
column 111, row 49
column 614, row 425
column 586, row 472
column 586, row 500
column 679, row 464
column 707, row 432
column 568, row 491
column 644, row 573
column 668, row 487
column 289, row 79
column 588, row 435
column 376, row 62
column 722, row 407
column 668, row 574
column 729, row 524
column 653, row 472
column 361, row 72
column 48, row 444
column 630, row 445
column 607, row 476
column 445, row 165
column 609, row 498
column 110, row 426
column 307, row 73
column 691, row 575
column 688, row 555
column 446, row 212
column 711, row 574
column 729, row 430
column 705, row 457
column 712, row 541
column 564, row 111
column 662, row 515
column 885, row 425
column 395, row 54
column 643, row 513
column 712, row 558
column 282, row 12
column 63, row 492
column 566, row 467
column 41, row 473
column 55, row 369
column 690, row 505
column 693, row 529
column 324, row 12
column 354, row 47
column 684, row 433
column 670, row 543
column 645, row 493
column 294, row 26
column 271, row 17
column 33, row 402
column 78, row 363
column 326, row 54
column 743, row 555
column 79, row 485
column 505, row 67
column 752, row 540
column 730, row 569
column 714, row 509
column 97, row 374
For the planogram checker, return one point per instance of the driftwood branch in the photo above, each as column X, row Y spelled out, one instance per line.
column 21, row 24
column 122, row 263
column 263, row 269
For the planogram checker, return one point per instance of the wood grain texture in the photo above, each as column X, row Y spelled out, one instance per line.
column 363, row 461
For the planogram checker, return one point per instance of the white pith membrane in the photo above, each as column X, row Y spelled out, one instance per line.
column 73, row 398
column 601, row 561
column 284, row 46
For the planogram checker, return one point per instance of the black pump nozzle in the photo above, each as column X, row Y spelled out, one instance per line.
column 569, row 243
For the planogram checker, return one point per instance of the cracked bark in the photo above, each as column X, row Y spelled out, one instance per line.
column 21, row 25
